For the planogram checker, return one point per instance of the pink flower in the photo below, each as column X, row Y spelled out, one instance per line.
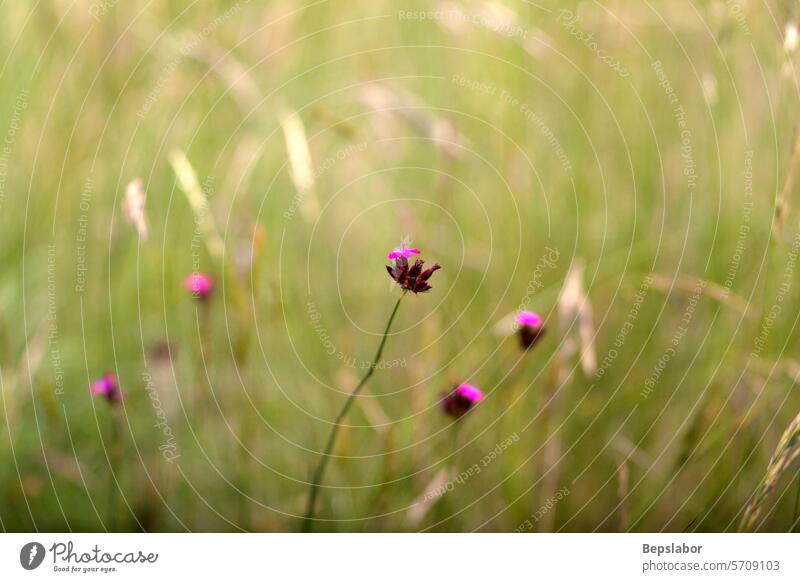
column 461, row 400
column 531, row 328
column 108, row 387
column 199, row 285
column 529, row 318
column 404, row 252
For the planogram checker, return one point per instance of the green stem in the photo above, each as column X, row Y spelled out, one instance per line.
column 112, row 470
column 323, row 462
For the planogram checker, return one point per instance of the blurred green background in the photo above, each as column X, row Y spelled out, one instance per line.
column 640, row 146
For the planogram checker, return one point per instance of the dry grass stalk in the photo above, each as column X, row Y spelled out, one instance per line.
column 231, row 72
column 198, row 200
column 573, row 309
column 631, row 452
column 574, row 306
column 786, row 453
column 12, row 378
column 133, row 207
column 402, row 105
column 300, row 164
column 423, row 503
column 187, row 178
column 623, row 487
column 688, row 284
column 782, row 205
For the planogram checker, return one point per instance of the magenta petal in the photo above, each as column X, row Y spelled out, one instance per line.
column 529, row 318
column 199, row 284
column 106, row 386
column 470, row 392
column 403, row 252
column 100, row 386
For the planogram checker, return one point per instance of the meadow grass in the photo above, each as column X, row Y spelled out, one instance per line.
column 285, row 147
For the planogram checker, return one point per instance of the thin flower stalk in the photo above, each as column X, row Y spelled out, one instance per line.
column 308, row 520
column 410, row 278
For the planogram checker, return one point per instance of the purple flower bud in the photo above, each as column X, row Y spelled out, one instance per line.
column 404, row 252
column 199, row 285
column 461, row 400
column 531, row 328
column 108, row 387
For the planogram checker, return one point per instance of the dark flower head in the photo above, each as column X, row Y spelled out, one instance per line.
column 461, row 400
column 531, row 328
column 412, row 278
column 108, row 387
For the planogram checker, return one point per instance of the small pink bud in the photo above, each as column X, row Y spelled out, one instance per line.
column 461, row 400
column 108, row 387
column 199, row 285
column 531, row 328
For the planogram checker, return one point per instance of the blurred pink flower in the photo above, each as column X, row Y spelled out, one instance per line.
column 199, row 285
column 461, row 400
column 531, row 328
column 108, row 387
